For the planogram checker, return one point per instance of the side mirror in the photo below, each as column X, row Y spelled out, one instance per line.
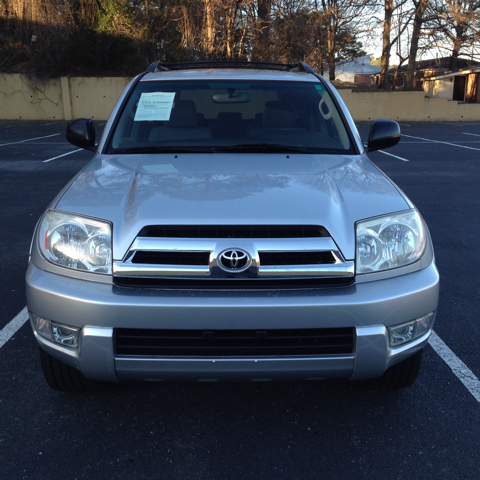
column 81, row 133
column 383, row 134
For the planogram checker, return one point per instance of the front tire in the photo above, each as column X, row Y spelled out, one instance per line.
column 63, row 377
column 400, row 375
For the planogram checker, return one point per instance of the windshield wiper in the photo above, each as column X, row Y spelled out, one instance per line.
column 159, row 149
column 261, row 147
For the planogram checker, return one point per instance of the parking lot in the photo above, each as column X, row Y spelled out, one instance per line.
column 330, row 429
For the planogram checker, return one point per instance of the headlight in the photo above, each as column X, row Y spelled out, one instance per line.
column 389, row 241
column 76, row 242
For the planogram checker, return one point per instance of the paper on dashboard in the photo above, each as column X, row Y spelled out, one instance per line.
column 154, row 106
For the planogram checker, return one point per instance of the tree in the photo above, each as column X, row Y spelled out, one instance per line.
column 209, row 28
column 418, row 20
column 459, row 24
column 292, row 31
column 261, row 44
column 390, row 7
column 338, row 17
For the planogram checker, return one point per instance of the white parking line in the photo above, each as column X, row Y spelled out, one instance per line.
column 473, row 134
column 7, row 332
column 63, row 155
column 400, row 158
column 423, row 143
column 462, row 372
column 29, row 140
column 445, row 143
column 404, row 125
column 381, row 151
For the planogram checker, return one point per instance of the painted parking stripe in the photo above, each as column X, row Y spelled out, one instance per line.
column 473, row 134
column 29, row 140
column 63, row 155
column 445, row 143
column 404, row 125
column 400, row 158
column 9, row 330
column 423, row 143
column 461, row 371
column 381, row 151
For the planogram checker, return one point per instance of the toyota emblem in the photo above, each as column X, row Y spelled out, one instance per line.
column 234, row 260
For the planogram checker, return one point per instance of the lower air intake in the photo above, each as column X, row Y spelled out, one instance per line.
column 233, row 343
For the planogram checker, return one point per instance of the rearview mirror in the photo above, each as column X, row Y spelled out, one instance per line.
column 383, row 134
column 81, row 133
column 231, row 97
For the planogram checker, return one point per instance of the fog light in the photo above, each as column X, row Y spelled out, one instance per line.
column 56, row 332
column 423, row 324
column 406, row 332
column 401, row 334
column 64, row 335
column 42, row 326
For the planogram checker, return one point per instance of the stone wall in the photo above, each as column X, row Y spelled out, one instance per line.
column 94, row 97
column 64, row 98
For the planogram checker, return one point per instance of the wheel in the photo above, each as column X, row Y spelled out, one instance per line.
column 63, row 377
column 401, row 375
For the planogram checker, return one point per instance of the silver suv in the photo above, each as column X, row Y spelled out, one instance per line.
column 231, row 226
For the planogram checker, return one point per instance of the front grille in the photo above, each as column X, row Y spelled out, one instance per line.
column 192, row 257
column 234, row 343
column 296, row 258
column 246, row 283
column 234, row 231
column 171, row 258
column 202, row 258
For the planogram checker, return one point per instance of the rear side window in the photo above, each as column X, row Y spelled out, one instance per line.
column 210, row 114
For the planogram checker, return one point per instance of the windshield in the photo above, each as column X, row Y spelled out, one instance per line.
column 219, row 116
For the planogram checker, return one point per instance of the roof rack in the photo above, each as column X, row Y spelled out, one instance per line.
column 292, row 67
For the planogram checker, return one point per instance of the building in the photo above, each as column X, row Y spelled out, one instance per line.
column 461, row 85
column 425, row 69
column 357, row 70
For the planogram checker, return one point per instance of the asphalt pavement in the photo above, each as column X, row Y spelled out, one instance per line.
column 291, row 430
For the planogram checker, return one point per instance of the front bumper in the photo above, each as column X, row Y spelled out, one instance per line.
column 99, row 308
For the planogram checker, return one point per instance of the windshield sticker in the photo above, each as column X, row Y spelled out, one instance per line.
column 154, row 106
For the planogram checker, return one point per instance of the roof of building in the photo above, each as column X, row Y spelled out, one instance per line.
column 442, row 63
column 453, row 74
column 358, row 65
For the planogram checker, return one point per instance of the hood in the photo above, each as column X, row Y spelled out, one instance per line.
column 133, row 191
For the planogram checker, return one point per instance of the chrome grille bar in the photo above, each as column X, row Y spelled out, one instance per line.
column 208, row 244
column 212, row 247
column 345, row 269
column 138, row 270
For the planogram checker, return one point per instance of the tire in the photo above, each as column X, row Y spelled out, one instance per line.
column 400, row 375
column 63, row 377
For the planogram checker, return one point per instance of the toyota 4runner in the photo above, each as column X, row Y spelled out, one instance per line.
column 231, row 226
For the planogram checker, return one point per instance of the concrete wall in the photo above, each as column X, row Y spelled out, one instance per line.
column 27, row 99
column 73, row 97
column 407, row 106
column 58, row 99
